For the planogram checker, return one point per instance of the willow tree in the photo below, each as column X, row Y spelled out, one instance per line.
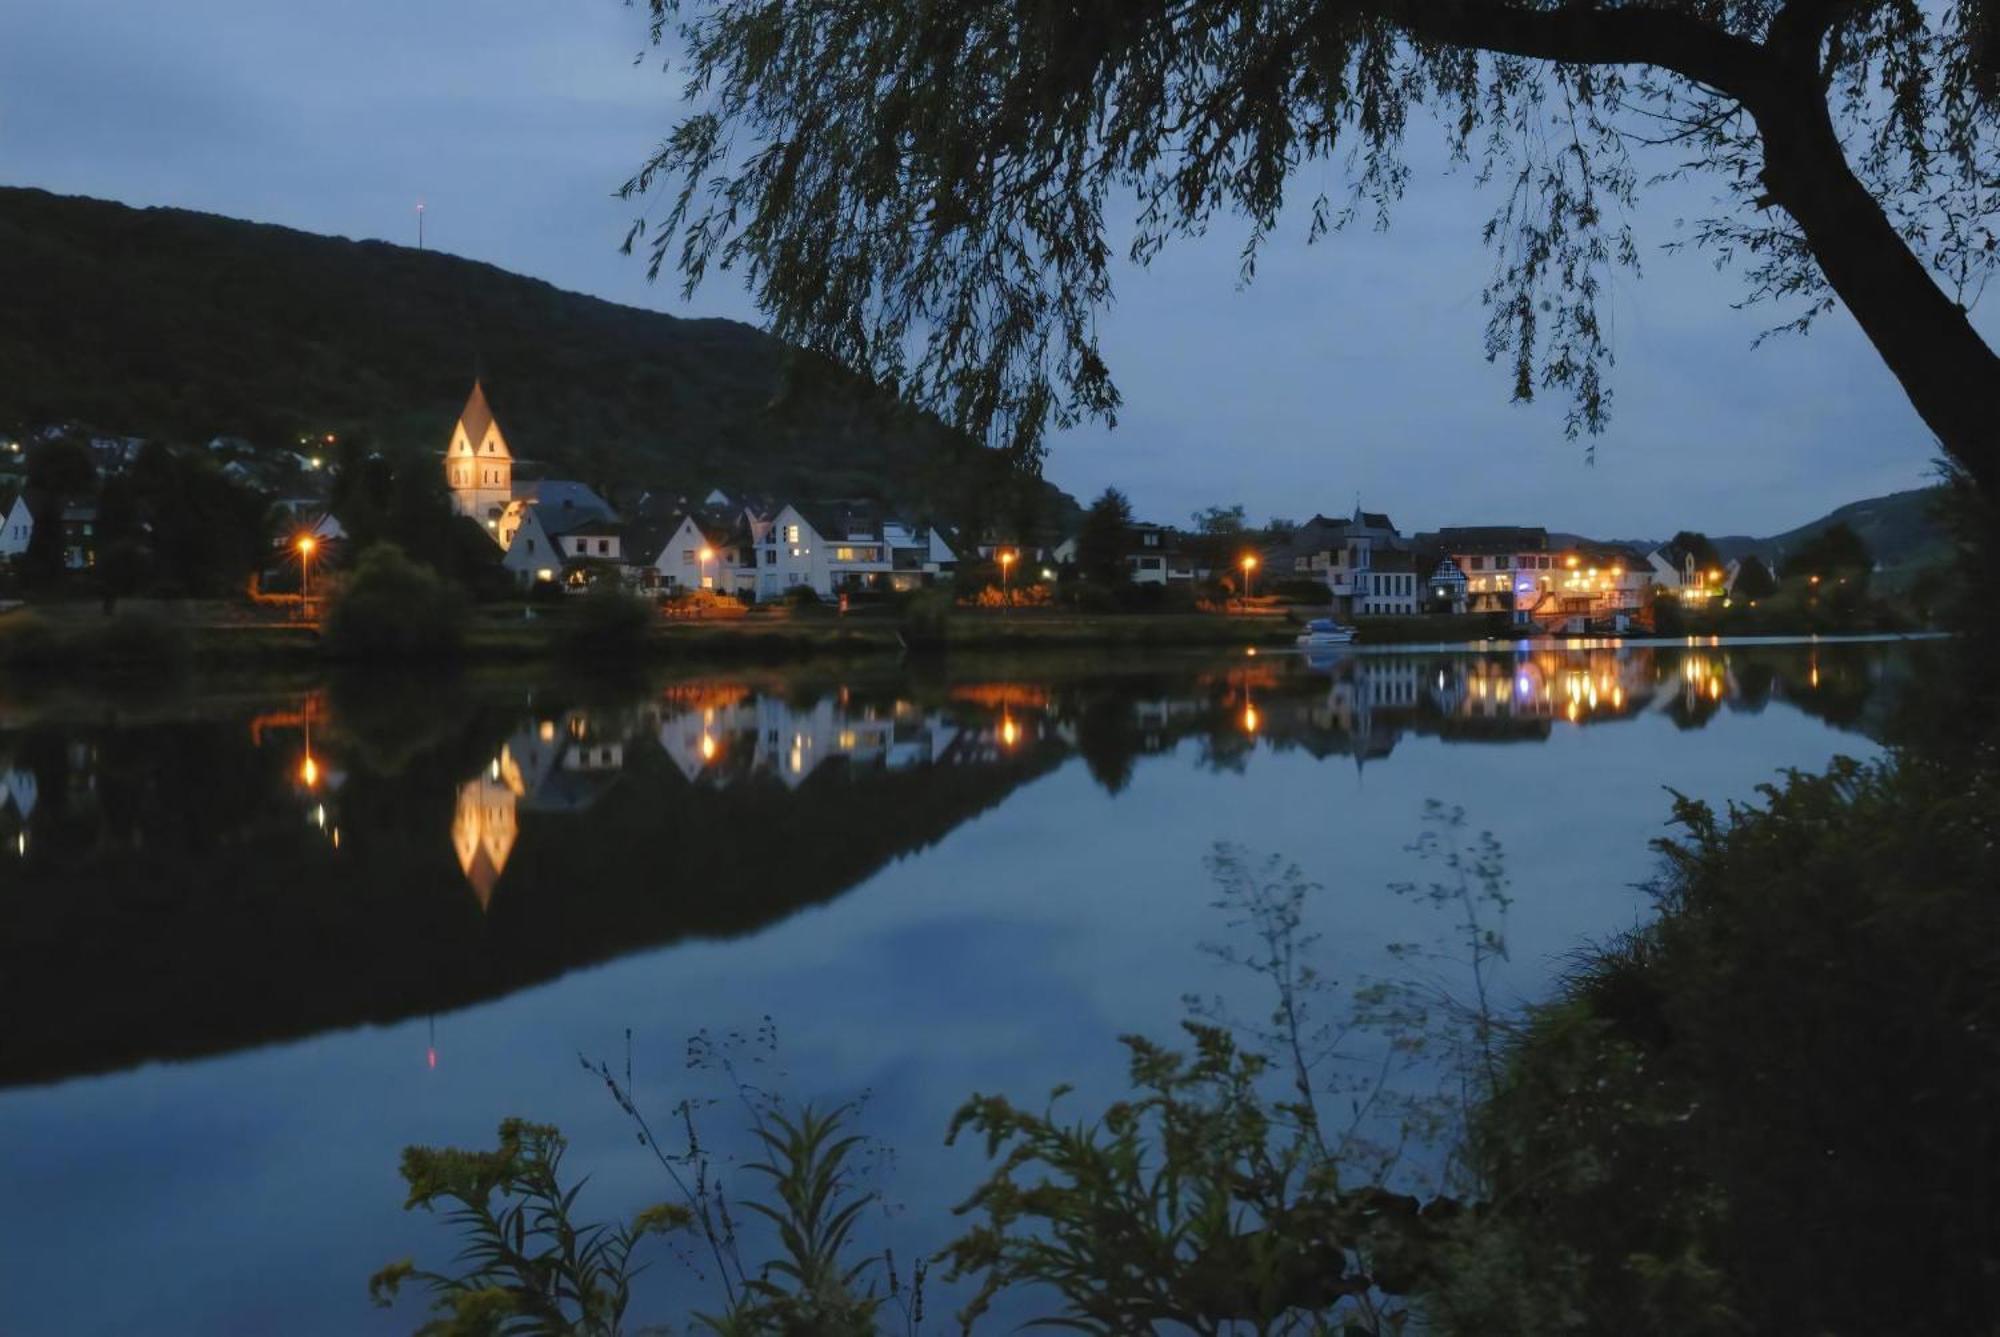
column 926, row 191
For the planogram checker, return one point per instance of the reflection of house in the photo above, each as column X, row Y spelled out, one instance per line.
column 767, row 735
column 483, row 831
column 556, row 764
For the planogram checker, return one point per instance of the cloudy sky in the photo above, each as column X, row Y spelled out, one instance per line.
column 1351, row 368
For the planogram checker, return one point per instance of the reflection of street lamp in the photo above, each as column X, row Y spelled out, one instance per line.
column 305, row 545
column 1249, row 565
column 1007, row 560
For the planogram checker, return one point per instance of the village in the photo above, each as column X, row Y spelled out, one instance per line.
column 717, row 555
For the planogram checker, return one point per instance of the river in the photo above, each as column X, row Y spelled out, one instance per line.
column 256, row 937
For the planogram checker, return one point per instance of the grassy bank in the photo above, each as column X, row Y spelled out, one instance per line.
column 142, row 637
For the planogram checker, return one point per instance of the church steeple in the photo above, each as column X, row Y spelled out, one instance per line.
column 478, row 466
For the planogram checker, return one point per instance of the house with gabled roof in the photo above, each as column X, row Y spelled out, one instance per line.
column 17, row 525
column 835, row 546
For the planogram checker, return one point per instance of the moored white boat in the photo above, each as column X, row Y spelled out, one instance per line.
column 1324, row 631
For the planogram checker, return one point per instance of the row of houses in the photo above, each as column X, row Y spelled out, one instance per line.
column 1553, row 582
column 564, row 532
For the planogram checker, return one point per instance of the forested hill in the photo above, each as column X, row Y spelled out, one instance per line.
column 184, row 326
column 1902, row 531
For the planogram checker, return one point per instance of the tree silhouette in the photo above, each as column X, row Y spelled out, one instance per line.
column 921, row 190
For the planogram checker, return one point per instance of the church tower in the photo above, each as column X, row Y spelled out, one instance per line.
column 478, row 467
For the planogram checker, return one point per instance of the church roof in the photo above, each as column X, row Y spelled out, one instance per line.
column 476, row 416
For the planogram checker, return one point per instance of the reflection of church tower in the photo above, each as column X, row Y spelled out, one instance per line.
column 478, row 467
column 482, row 833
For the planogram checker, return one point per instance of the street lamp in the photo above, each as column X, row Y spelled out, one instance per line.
column 305, row 545
column 1007, row 560
column 705, row 553
column 1249, row 565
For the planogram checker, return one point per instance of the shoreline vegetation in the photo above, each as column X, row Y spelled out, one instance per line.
column 147, row 636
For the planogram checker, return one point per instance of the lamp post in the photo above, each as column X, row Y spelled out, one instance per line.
column 1007, row 560
column 1249, row 564
column 705, row 553
column 305, row 545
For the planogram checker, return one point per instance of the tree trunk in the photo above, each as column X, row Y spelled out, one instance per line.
column 1951, row 376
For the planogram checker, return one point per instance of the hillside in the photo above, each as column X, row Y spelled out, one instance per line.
column 183, row 326
column 1899, row 529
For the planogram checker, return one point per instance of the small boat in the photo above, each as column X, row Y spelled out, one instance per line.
column 1323, row 631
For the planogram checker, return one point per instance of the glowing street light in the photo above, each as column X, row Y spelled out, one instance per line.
column 705, row 554
column 1249, row 565
column 1006, row 560
column 305, row 545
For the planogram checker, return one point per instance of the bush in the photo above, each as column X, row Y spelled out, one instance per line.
column 1794, row 1069
column 1086, row 597
column 925, row 615
column 610, row 621
column 1299, row 590
column 390, row 607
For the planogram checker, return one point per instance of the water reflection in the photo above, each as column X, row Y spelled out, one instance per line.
column 230, row 873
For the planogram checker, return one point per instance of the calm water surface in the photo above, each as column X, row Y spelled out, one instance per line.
column 254, row 942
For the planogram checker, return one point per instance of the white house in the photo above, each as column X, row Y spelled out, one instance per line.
column 695, row 557
column 17, row 526
column 1386, row 586
column 1677, row 570
column 555, row 543
column 841, row 548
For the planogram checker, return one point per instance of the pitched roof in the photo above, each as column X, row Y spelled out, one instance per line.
column 1393, row 559
column 1493, row 538
column 476, row 416
column 560, row 496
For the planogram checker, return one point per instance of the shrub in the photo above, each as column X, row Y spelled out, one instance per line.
column 610, row 621
column 1087, row 597
column 1794, row 1068
column 390, row 607
column 925, row 614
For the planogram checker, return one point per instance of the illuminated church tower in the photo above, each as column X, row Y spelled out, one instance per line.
column 478, row 467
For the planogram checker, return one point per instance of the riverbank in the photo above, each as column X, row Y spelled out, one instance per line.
column 147, row 637
column 143, row 636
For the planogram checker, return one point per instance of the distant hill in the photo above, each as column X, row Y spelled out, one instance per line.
column 183, row 326
column 1899, row 529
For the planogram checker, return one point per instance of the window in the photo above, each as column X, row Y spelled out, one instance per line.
column 531, row 545
column 687, row 554
column 603, row 547
column 791, row 533
column 770, row 557
column 1152, row 540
